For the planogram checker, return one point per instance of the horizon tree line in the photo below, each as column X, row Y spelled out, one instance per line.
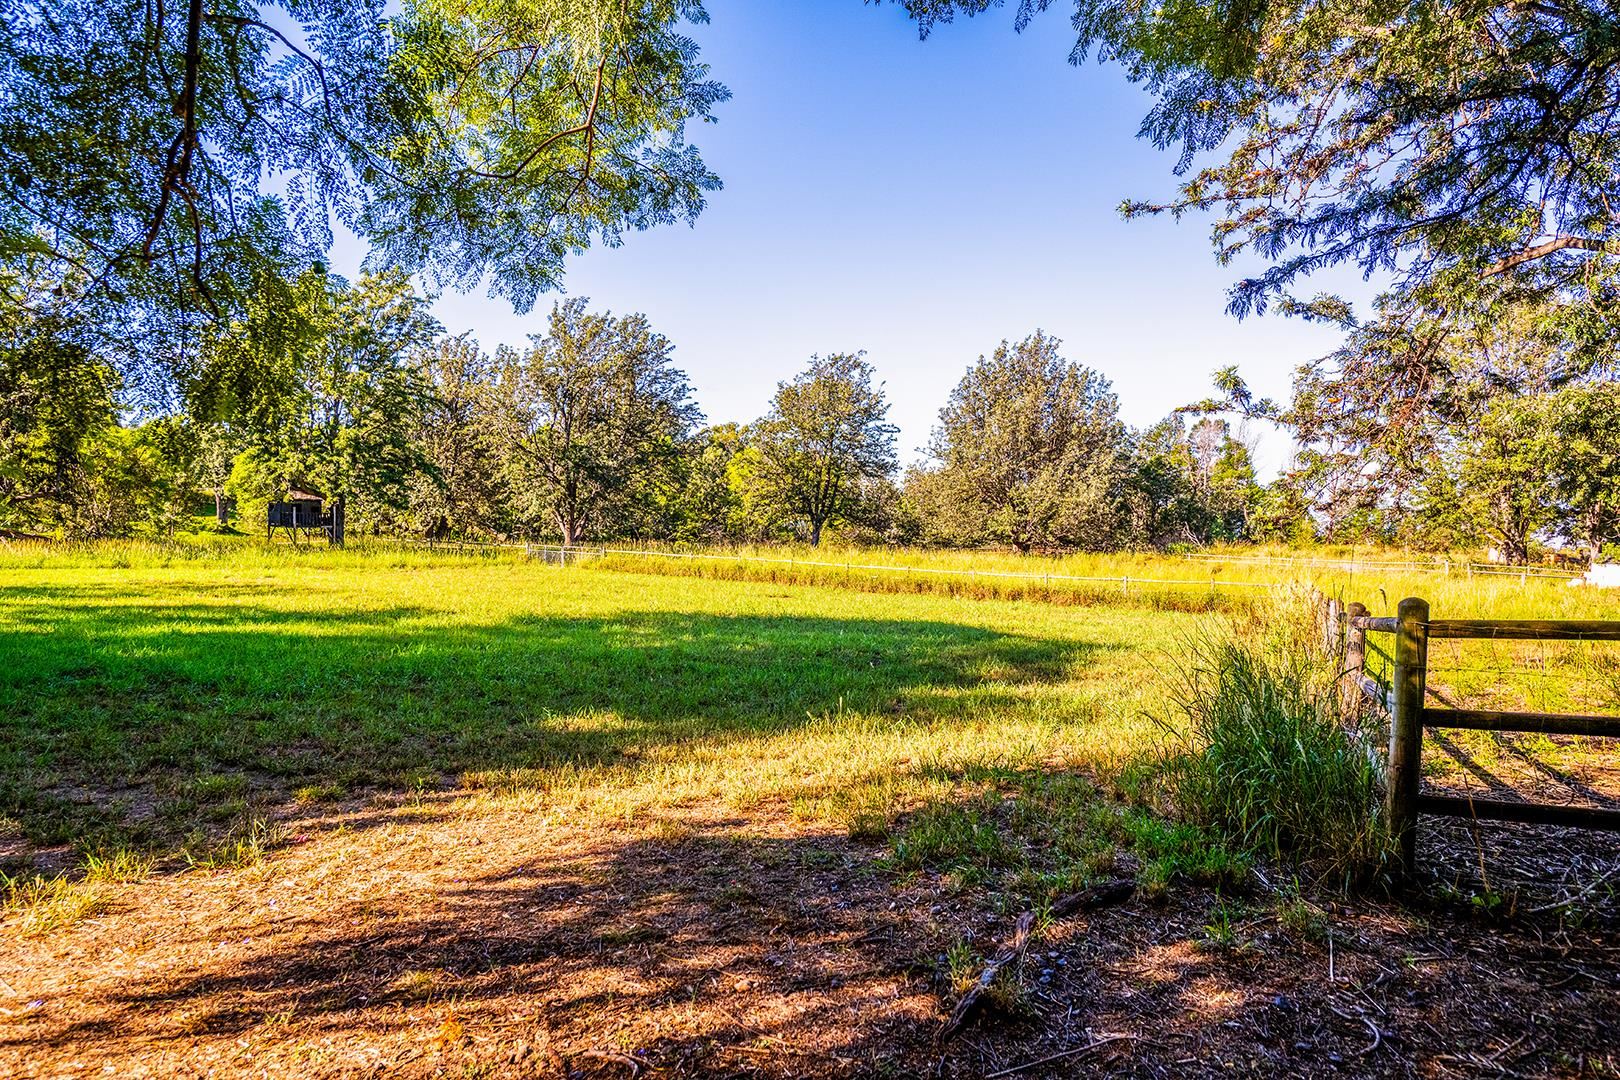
column 592, row 433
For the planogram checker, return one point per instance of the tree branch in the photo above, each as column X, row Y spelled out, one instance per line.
column 1557, row 243
column 177, row 167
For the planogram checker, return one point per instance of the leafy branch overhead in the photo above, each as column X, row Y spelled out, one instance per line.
column 160, row 154
column 1412, row 140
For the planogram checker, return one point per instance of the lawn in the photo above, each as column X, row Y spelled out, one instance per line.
column 320, row 813
column 147, row 704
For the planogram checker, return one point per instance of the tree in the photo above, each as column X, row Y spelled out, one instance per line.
column 709, row 508
column 462, row 488
column 1029, row 452
column 326, row 380
column 1584, row 423
column 1194, row 484
column 459, row 139
column 826, row 434
column 597, row 420
column 1468, row 154
column 57, row 396
column 1506, row 473
column 218, row 443
column 1446, row 144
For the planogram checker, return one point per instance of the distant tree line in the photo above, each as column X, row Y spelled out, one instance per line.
column 589, row 433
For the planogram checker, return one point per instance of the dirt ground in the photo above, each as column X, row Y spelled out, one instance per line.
column 421, row 936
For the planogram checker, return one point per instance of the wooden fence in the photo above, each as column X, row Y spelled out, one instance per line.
column 1405, row 703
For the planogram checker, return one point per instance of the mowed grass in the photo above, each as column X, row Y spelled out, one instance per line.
column 172, row 703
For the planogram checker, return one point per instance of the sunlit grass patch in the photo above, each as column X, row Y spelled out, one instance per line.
column 33, row 905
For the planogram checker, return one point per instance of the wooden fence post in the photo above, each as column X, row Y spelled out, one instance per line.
column 1355, row 659
column 1332, row 627
column 1406, row 728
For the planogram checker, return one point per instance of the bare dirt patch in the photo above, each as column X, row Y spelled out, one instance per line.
column 430, row 938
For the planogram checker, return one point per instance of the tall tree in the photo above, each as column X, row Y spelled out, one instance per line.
column 1507, row 478
column 826, row 435
column 462, row 489
column 1029, row 452
column 598, row 415
column 460, row 139
column 1584, row 422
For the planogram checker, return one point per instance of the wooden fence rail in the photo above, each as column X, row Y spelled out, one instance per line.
column 1409, row 713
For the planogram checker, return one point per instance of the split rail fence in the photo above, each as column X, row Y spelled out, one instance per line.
column 1405, row 704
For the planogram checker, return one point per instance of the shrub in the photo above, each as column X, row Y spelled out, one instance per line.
column 1260, row 754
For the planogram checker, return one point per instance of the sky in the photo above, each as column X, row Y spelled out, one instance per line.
column 920, row 200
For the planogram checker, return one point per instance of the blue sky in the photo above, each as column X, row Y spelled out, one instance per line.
column 921, row 201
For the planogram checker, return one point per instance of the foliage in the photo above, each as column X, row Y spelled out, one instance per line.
column 459, row 139
column 463, row 488
column 324, row 378
column 1466, row 155
column 1465, row 148
column 1194, row 485
column 597, row 418
column 1584, row 425
column 709, row 507
column 1506, row 475
column 825, row 440
column 1029, row 452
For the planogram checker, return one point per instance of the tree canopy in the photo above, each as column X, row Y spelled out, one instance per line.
column 158, row 159
column 825, row 441
column 1029, row 452
column 598, row 418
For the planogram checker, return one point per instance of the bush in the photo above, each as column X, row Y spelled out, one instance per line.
column 1260, row 752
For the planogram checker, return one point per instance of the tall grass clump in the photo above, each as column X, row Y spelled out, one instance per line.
column 1259, row 753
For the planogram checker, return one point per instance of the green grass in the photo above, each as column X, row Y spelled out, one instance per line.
column 1264, row 757
column 187, row 700
column 152, row 694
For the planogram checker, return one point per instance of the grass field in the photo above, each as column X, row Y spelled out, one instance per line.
column 158, row 706
column 402, row 738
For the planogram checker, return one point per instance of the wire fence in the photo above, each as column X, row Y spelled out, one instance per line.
column 1125, row 581
column 1447, row 567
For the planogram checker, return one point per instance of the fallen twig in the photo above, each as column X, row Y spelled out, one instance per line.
column 1048, row 1059
column 1378, row 1037
column 617, row 1058
column 970, row 1000
column 1098, row 896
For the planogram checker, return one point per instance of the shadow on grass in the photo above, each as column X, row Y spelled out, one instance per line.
column 150, row 715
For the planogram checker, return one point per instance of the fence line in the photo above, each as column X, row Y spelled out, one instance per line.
column 1439, row 566
column 1406, row 704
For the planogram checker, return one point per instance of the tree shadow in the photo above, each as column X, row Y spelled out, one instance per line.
column 721, row 951
column 152, row 703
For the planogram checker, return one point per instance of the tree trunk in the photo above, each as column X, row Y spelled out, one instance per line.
column 337, row 520
column 221, row 508
column 815, row 532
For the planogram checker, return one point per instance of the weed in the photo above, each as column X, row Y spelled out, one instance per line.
column 330, row 791
column 956, row 838
column 1299, row 917
column 244, row 846
column 41, row 905
column 1221, row 932
column 116, row 867
column 1260, row 753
